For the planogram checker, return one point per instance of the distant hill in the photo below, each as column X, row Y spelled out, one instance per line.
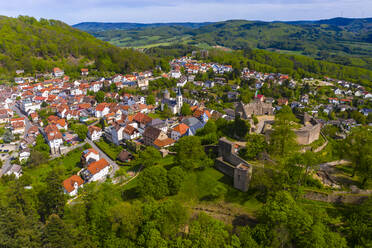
column 343, row 41
column 32, row 45
column 102, row 26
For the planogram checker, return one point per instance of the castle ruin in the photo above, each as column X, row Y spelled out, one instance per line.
column 257, row 107
column 230, row 164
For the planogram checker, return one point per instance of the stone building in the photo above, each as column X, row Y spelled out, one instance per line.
column 254, row 108
column 305, row 135
column 229, row 163
column 309, row 132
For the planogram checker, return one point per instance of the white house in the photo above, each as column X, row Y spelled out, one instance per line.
column 114, row 134
column 88, row 156
column 58, row 72
column 94, row 133
column 72, row 184
column 95, row 86
column 101, row 110
column 130, row 133
column 27, row 106
column 179, row 131
column 338, row 92
column 54, row 138
column 175, row 74
column 182, row 81
column 24, row 155
column 98, row 171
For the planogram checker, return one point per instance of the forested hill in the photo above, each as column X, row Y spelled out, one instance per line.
column 340, row 40
column 102, row 26
column 32, row 45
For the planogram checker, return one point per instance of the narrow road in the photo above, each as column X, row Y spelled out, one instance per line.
column 27, row 121
column 115, row 166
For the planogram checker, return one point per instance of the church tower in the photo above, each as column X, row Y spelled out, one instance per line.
column 179, row 100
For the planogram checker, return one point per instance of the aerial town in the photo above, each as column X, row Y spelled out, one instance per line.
column 54, row 108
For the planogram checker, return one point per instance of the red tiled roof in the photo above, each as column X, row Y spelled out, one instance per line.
column 164, row 142
column 181, row 128
column 97, row 166
column 68, row 184
column 142, row 118
column 101, row 106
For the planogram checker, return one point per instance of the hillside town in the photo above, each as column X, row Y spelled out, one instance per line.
column 66, row 113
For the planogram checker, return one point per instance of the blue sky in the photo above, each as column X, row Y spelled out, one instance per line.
column 146, row 11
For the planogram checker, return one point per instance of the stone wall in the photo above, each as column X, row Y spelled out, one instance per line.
column 335, row 197
column 224, row 167
column 256, row 108
column 232, row 165
column 308, row 134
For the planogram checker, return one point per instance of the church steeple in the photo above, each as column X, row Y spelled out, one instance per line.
column 179, row 99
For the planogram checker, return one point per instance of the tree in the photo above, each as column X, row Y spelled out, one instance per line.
column 150, row 99
column 255, row 145
column 175, row 179
column 52, row 198
column 149, row 157
column 283, row 139
column 298, row 167
column 190, row 153
column 8, row 136
column 56, row 233
column 241, row 127
column 126, row 219
column 19, row 222
column 166, row 113
column 81, row 130
column 185, row 109
column 100, row 96
column 358, row 148
column 153, row 182
column 246, row 239
column 208, row 232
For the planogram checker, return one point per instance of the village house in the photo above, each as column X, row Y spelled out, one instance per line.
column 89, row 156
column 54, row 138
column 57, row 72
column 84, row 72
column 130, row 133
column 114, row 133
column 96, row 171
column 24, row 154
column 179, row 131
column 72, row 184
column 151, row 134
column 125, row 156
column 101, row 110
column 94, row 133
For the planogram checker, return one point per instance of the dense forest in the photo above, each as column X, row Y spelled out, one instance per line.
column 180, row 200
column 340, row 40
column 32, row 45
column 102, row 26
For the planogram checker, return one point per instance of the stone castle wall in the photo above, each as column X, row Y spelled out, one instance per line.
column 308, row 134
column 232, row 165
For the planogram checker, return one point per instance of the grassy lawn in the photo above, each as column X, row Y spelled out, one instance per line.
column 110, row 149
column 70, row 165
column 155, row 115
column 198, row 186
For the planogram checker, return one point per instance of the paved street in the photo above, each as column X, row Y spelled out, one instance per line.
column 27, row 121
